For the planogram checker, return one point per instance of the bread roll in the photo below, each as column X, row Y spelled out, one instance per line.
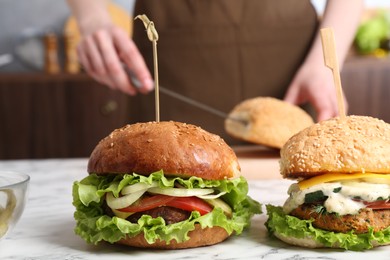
column 271, row 122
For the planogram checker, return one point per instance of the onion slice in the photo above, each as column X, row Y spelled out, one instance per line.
column 121, row 214
column 211, row 196
column 138, row 187
column 218, row 203
column 178, row 192
column 124, row 201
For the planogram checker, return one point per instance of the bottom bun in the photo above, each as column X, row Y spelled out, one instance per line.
column 198, row 237
column 311, row 243
column 303, row 242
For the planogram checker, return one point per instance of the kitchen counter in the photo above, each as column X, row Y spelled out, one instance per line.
column 45, row 230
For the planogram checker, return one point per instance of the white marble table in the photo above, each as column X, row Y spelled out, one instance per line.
column 45, row 230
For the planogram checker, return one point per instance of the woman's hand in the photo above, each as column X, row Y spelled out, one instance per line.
column 106, row 50
column 315, row 86
column 106, row 54
column 313, row 82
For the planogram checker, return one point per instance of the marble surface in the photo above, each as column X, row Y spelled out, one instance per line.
column 45, row 230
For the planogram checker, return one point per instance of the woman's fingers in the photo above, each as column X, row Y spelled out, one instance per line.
column 101, row 53
column 131, row 57
column 113, row 66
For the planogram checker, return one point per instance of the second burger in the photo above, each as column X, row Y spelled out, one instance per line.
column 342, row 198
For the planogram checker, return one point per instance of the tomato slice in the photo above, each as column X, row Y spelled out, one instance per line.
column 147, row 203
column 191, row 204
column 379, row 204
column 184, row 203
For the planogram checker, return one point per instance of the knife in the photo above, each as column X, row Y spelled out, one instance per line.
column 187, row 100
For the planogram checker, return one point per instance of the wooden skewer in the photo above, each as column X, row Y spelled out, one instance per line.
column 153, row 37
column 156, row 82
column 330, row 59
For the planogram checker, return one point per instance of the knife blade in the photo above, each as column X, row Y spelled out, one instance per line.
column 187, row 100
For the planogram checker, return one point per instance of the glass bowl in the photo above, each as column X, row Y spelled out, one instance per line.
column 13, row 193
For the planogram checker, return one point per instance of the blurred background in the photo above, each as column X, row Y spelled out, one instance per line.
column 24, row 23
column 49, row 108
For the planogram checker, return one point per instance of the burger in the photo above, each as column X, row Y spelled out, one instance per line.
column 341, row 199
column 164, row 185
column 270, row 121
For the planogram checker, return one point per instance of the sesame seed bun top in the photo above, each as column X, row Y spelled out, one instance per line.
column 352, row 144
column 177, row 148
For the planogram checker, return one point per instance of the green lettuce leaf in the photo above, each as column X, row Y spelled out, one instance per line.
column 94, row 226
column 290, row 226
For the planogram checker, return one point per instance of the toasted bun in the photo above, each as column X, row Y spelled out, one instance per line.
column 348, row 145
column 177, row 148
column 303, row 242
column 271, row 121
column 198, row 237
column 312, row 243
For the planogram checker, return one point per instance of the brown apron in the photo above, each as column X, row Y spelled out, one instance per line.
column 221, row 52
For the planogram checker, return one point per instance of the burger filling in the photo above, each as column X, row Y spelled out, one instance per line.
column 172, row 204
column 112, row 207
column 169, row 214
column 343, row 205
column 349, row 211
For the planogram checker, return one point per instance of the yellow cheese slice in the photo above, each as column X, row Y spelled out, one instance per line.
column 329, row 177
